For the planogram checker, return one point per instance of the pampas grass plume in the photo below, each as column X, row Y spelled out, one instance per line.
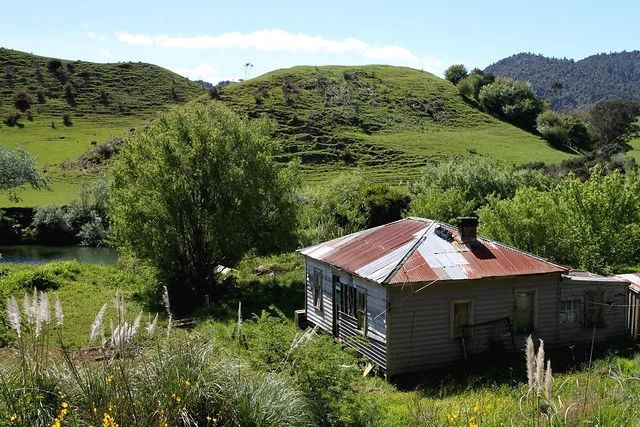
column 531, row 361
column 13, row 314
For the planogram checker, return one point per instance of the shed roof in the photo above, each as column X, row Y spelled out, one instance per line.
column 633, row 279
column 410, row 251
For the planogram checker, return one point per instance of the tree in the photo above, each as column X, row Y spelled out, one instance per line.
column 455, row 73
column 18, row 169
column 563, row 130
column 513, row 101
column 611, row 122
column 592, row 224
column 197, row 190
column 348, row 204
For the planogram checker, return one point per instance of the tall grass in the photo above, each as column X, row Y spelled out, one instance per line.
column 182, row 380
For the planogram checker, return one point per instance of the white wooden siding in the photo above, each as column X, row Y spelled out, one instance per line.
column 321, row 318
column 371, row 344
column 419, row 325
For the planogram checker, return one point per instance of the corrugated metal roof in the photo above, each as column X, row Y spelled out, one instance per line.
column 410, row 251
column 633, row 279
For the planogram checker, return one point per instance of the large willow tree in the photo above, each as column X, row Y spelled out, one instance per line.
column 199, row 189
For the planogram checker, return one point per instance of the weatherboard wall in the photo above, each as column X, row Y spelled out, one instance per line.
column 371, row 342
column 614, row 315
column 320, row 317
column 419, row 324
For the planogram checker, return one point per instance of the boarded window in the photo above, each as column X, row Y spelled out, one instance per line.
column 594, row 308
column 525, row 316
column 460, row 317
column 317, row 288
column 354, row 304
column 570, row 311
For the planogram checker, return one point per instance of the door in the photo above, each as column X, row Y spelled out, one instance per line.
column 335, row 297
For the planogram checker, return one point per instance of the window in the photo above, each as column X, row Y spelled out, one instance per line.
column 570, row 311
column 460, row 317
column 354, row 304
column 317, row 288
column 594, row 308
column 525, row 317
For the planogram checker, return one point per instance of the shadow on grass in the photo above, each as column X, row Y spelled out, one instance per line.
column 508, row 370
column 285, row 293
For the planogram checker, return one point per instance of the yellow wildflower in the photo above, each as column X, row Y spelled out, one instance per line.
column 476, row 408
column 452, row 418
column 14, row 417
column 187, row 383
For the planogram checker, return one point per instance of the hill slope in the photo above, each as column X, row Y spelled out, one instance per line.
column 55, row 87
column 584, row 83
column 101, row 101
column 388, row 120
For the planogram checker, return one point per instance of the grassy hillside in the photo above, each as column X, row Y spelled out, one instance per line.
column 389, row 121
column 102, row 101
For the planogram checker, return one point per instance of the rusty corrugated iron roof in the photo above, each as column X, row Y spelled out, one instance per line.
column 633, row 279
column 410, row 251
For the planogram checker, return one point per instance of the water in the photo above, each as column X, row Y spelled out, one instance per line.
column 38, row 254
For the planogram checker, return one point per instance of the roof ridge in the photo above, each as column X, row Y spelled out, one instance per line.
column 514, row 249
column 410, row 252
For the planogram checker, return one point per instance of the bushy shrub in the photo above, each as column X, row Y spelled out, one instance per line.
column 42, row 281
column 348, row 204
column 458, row 187
column 66, row 119
column 21, row 100
column 11, row 118
column 259, row 93
column 83, row 221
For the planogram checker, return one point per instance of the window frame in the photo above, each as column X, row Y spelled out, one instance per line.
column 353, row 303
column 316, row 287
column 565, row 318
column 594, row 305
column 454, row 333
column 533, row 310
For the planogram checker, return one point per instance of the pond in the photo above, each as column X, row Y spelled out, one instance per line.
column 38, row 254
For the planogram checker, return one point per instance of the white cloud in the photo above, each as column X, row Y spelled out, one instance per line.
column 92, row 35
column 134, row 38
column 105, row 53
column 205, row 72
column 276, row 40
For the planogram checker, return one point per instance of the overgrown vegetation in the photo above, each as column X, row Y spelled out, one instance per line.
column 257, row 369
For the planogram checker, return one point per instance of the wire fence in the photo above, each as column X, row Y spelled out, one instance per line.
column 494, row 337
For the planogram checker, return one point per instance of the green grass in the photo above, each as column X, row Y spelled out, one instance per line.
column 57, row 151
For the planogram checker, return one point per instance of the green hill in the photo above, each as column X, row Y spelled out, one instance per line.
column 581, row 83
column 97, row 101
column 389, row 121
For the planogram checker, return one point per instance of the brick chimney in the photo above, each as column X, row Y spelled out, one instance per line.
column 467, row 229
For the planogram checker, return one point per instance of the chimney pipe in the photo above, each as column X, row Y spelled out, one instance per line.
column 467, row 229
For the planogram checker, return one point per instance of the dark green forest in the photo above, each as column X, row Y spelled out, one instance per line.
column 568, row 84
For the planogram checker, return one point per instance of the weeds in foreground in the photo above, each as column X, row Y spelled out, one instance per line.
column 182, row 381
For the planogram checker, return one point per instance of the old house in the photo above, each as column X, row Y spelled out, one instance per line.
column 632, row 303
column 416, row 294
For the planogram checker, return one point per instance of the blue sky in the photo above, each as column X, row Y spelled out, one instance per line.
column 212, row 40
